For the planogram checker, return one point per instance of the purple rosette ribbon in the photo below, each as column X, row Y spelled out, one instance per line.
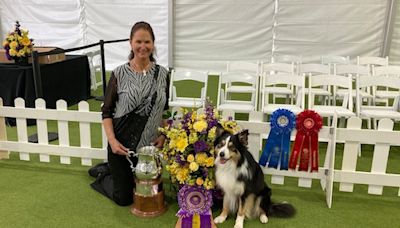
column 194, row 200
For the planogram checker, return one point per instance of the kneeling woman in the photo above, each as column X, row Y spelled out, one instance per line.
column 136, row 96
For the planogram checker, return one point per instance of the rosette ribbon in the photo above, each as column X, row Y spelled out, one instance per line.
column 308, row 125
column 278, row 144
column 195, row 207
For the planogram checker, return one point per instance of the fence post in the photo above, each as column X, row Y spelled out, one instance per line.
column 4, row 154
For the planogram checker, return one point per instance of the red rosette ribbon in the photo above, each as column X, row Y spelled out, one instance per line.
column 308, row 124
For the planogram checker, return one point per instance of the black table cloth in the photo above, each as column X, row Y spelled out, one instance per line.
column 68, row 80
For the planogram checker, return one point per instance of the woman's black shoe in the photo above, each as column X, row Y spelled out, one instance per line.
column 98, row 169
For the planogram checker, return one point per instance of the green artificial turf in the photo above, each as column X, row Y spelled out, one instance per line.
column 36, row 194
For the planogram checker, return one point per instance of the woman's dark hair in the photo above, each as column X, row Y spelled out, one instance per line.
column 145, row 26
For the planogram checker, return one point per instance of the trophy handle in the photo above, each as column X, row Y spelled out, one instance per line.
column 133, row 154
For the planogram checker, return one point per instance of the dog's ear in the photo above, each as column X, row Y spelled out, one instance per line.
column 243, row 137
column 219, row 130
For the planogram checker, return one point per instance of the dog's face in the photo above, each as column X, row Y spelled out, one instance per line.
column 228, row 147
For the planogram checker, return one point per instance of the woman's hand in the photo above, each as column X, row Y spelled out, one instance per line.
column 118, row 148
column 159, row 142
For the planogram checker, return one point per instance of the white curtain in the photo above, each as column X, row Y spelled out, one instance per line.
column 207, row 33
column 73, row 23
column 313, row 28
column 394, row 55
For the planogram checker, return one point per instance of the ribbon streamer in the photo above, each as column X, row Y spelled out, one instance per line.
column 277, row 147
column 195, row 205
column 308, row 125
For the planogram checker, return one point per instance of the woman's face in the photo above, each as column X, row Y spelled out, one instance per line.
column 142, row 44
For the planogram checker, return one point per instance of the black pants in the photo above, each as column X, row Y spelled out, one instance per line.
column 119, row 184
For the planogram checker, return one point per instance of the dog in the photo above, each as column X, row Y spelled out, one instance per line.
column 242, row 181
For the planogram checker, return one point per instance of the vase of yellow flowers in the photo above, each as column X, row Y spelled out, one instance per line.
column 189, row 153
column 18, row 45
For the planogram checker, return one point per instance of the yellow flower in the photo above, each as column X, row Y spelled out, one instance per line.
column 182, row 175
column 201, row 158
column 13, row 45
column 13, row 52
column 25, row 41
column 199, row 181
column 181, row 144
column 193, row 138
column 211, row 133
column 200, row 126
column 193, row 166
column 210, row 162
column 21, row 53
column 190, row 158
column 5, row 43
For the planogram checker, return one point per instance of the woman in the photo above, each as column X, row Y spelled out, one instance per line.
column 136, row 96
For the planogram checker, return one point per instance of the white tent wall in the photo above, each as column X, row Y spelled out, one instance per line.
column 312, row 28
column 394, row 54
column 112, row 20
column 208, row 33
column 50, row 23
column 73, row 23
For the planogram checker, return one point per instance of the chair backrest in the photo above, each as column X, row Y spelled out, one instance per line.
column 94, row 59
column 277, row 68
column 351, row 69
column 378, row 81
column 314, row 69
column 334, row 59
column 229, row 77
column 372, row 60
column 386, row 71
column 331, row 80
column 284, row 79
column 243, row 66
column 238, row 77
column 188, row 75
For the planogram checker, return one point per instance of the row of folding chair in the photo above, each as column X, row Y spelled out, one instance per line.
column 264, row 86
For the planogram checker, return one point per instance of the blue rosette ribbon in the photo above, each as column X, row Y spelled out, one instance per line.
column 276, row 149
column 195, row 204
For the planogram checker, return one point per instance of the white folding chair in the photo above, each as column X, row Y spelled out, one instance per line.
column 371, row 62
column 94, row 59
column 270, row 82
column 234, row 99
column 191, row 99
column 352, row 71
column 243, row 67
column 315, row 69
column 278, row 91
column 385, row 94
column 373, row 112
column 346, row 109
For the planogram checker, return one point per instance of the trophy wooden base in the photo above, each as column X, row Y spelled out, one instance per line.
column 149, row 206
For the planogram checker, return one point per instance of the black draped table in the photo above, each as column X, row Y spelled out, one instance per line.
column 68, row 80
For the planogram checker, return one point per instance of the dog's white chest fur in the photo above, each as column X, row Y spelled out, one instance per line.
column 226, row 177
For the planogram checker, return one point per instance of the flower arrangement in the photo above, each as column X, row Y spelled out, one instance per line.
column 18, row 44
column 188, row 148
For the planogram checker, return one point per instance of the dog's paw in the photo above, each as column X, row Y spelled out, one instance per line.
column 263, row 219
column 220, row 219
column 238, row 225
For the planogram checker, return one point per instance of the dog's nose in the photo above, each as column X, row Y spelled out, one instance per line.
column 221, row 154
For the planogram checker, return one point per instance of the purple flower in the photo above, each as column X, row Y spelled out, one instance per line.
column 179, row 160
column 200, row 146
column 170, row 122
column 205, row 172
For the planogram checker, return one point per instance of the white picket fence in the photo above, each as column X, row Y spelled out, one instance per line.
column 352, row 137
column 62, row 116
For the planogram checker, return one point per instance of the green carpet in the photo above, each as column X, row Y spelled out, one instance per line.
column 36, row 194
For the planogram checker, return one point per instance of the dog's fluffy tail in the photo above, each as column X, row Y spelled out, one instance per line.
column 281, row 210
